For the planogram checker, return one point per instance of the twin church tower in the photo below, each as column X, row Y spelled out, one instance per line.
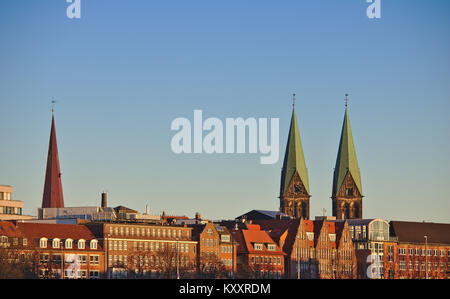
column 294, row 188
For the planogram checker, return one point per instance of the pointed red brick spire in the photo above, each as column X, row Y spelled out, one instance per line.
column 53, row 194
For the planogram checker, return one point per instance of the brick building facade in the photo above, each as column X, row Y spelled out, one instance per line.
column 136, row 250
column 258, row 256
column 73, row 248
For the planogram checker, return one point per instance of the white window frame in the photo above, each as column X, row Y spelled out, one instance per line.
column 43, row 243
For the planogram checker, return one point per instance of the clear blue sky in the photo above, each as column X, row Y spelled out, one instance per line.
column 124, row 71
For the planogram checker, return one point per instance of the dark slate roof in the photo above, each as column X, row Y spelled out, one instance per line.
column 414, row 232
column 122, row 209
column 268, row 214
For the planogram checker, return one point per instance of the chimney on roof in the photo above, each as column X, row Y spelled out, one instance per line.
column 147, row 210
column 198, row 216
column 104, row 198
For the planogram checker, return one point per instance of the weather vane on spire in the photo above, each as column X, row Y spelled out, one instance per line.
column 346, row 100
column 293, row 100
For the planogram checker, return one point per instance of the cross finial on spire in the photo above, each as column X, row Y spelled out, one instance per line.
column 293, row 100
column 346, row 100
column 53, row 105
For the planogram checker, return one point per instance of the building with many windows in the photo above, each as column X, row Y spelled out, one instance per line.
column 68, row 247
column 10, row 209
column 258, row 255
column 314, row 249
column 228, row 250
column 140, row 250
column 421, row 250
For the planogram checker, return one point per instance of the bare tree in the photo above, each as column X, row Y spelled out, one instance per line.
column 16, row 263
column 210, row 266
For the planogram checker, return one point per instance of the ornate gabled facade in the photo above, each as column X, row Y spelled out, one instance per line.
column 347, row 191
column 294, row 187
column 53, row 193
column 314, row 248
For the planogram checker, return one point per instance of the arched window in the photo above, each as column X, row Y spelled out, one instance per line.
column 356, row 210
column 304, row 210
column 93, row 244
column 56, row 243
column 81, row 244
column 43, row 243
column 346, row 211
column 69, row 243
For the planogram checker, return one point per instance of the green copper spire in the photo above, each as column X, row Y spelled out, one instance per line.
column 346, row 158
column 294, row 159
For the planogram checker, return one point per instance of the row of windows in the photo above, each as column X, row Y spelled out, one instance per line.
column 210, row 242
column 5, row 196
column 148, row 232
column 12, row 211
column 123, row 260
column 431, row 266
column 421, row 252
column 70, row 274
column 268, row 274
column 259, row 246
column 266, row 260
column 15, row 241
column 118, row 245
column 68, row 244
column 226, row 249
column 227, row 262
column 80, row 259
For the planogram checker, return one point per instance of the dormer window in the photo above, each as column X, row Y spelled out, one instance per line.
column 43, row 243
column 93, row 244
column 81, row 244
column 56, row 243
column 69, row 244
column 258, row 246
column 271, row 247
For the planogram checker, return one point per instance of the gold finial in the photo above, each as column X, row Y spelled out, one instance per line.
column 346, row 100
column 293, row 100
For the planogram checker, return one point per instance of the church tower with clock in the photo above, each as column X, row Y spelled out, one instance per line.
column 347, row 188
column 294, row 187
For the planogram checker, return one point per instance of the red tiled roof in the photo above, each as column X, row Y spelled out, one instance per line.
column 10, row 230
column 247, row 237
column 60, row 231
column 253, row 227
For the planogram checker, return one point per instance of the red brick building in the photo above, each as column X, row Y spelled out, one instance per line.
column 314, row 249
column 258, row 256
column 140, row 250
column 422, row 251
column 216, row 250
column 71, row 247
column 228, row 250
